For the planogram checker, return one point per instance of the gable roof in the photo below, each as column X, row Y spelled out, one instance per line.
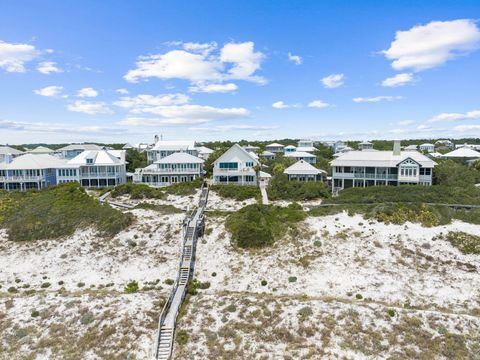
column 463, row 152
column 180, row 158
column 100, row 157
column 204, row 150
column 267, row 153
column 83, row 147
column 31, row 161
column 235, row 148
column 41, row 150
column 290, row 147
column 299, row 154
column 176, row 145
column 380, row 158
column 302, row 167
column 275, row 145
column 4, row 150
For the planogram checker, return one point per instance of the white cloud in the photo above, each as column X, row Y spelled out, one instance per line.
column 42, row 127
column 213, row 88
column 48, row 67
column 424, row 127
column 49, row 91
column 140, row 102
column 297, row 60
column 406, row 122
column 227, row 128
column 463, row 128
column 198, row 64
column 14, row 56
column 470, row 115
column 333, row 81
column 87, row 92
column 398, row 80
column 426, row 46
column 89, row 107
column 282, row 105
column 319, row 104
column 376, row 99
column 122, row 91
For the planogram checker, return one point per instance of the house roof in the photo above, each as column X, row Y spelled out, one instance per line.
column 204, row 150
column 235, row 148
column 299, row 154
column 33, row 161
column 99, row 157
column 275, row 145
column 411, row 147
column 427, row 145
column 83, row 147
column 263, row 174
column 463, row 152
column 290, row 147
column 267, row 153
column 127, row 146
column 380, row 158
column 177, row 145
column 4, row 150
column 180, row 158
column 41, row 150
column 365, row 143
column 306, row 148
column 302, row 167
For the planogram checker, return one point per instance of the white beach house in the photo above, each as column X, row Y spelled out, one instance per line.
column 372, row 168
column 172, row 169
column 7, row 153
column 303, row 171
column 235, row 166
column 252, row 148
column 204, row 152
column 97, row 168
column 306, row 146
column 427, row 147
column 267, row 155
column 275, row 148
column 302, row 155
column 365, row 145
column 70, row 151
column 29, row 171
column 462, row 154
column 289, row 149
column 163, row 148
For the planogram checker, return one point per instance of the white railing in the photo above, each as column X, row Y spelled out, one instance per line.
column 98, row 174
column 167, row 171
column 21, row 178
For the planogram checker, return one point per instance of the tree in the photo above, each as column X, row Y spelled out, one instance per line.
column 135, row 160
column 452, row 173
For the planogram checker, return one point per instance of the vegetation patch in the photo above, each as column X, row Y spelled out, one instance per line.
column 184, row 188
column 137, row 191
column 57, row 212
column 256, row 226
column 236, row 192
column 162, row 209
column 280, row 188
column 466, row 243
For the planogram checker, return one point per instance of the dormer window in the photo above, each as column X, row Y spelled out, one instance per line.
column 89, row 161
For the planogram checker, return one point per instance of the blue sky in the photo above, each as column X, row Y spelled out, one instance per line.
column 123, row 71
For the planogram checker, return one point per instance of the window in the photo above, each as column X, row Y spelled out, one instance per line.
column 89, row 161
column 249, row 164
column 228, row 165
column 249, row 178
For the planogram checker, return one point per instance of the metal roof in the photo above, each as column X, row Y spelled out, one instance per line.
column 33, row 161
column 5, row 150
column 299, row 154
column 100, row 157
column 301, row 167
column 180, row 158
column 177, row 145
column 80, row 147
column 463, row 152
column 380, row 159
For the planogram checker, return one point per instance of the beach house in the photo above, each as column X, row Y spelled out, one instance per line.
column 275, row 148
column 303, row 171
column 163, row 148
column 372, row 168
column 302, row 155
column 70, row 151
column 235, row 166
column 7, row 153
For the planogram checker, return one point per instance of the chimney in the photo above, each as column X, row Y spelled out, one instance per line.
column 396, row 147
column 8, row 158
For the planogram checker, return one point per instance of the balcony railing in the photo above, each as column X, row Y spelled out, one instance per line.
column 21, row 178
column 248, row 169
column 351, row 175
column 170, row 171
column 98, row 174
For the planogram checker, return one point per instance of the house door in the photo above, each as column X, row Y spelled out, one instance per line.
column 174, row 179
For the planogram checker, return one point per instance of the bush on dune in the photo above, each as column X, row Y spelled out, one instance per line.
column 280, row 188
column 237, row 192
column 256, row 226
column 56, row 212
column 137, row 191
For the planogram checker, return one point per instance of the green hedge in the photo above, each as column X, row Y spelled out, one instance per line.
column 137, row 191
column 237, row 192
column 280, row 188
column 56, row 212
column 256, row 226
column 441, row 194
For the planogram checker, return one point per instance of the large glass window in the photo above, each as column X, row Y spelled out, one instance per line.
column 228, row 165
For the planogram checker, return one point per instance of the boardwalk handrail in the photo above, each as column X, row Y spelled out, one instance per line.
column 171, row 309
column 455, row 206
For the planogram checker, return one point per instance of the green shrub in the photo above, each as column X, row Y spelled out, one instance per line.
column 466, row 243
column 317, row 243
column 81, row 284
column 56, row 212
column 162, row 209
column 35, row 313
column 61, row 282
column 184, row 188
column 12, row 290
column 181, row 337
column 132, row 287
column 305, row 312
column 256, row 226
column 359, row 296
column 231, row 308
column 45, row 285
column 194, row 285
column 137, row 191
column 292, row 279
column 237, row 192
column 169, row 281
column 214, row 274
column 263, row 282
column 391, row 312
column 280, row 188
column 87, row 318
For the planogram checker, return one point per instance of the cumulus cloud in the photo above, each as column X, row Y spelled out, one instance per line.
column 137, row 104
column 406, row 122
column 13, row 57
column 43, row 127
column 213, row 88
column 333, row 81
column 398, row 80
column 233, row 127
column 87, row 92
column 426, row 46
column 464, row 128
column 444, row 117
column 49, row 91
column 376, row 99
column 282, row 105
column 122, row 91
column 318, row 104
column 297, row 60
column 202, row 64
column 89, row 107
column 48, row 67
